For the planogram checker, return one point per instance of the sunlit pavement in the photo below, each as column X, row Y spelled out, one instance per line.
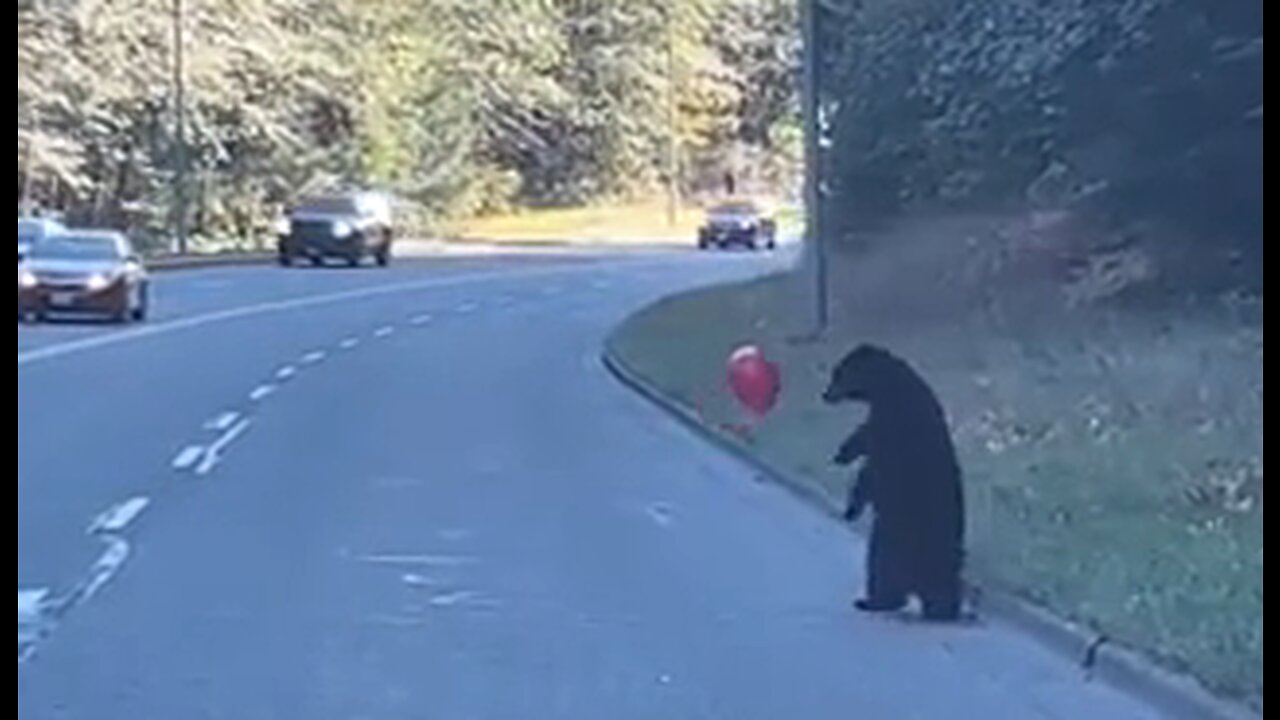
column 318, row 494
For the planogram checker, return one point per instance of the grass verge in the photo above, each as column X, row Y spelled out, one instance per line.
column 1113, row 453
column 638, row 223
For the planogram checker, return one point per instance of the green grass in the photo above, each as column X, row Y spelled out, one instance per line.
column 617, row 224
column 626, row 224
column 1113, row 458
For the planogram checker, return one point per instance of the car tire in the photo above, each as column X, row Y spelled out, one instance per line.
column 141, row 304
column 285, row 260
column 317, row 261
column 383, row 256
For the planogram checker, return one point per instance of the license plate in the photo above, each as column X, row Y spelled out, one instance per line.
column 62, row 299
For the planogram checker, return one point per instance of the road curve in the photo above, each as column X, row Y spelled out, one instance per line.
column 416, row 494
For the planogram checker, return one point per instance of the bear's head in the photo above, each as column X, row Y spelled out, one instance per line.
column 861, row 376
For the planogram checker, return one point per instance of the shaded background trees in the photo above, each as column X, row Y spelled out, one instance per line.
column 460, row 107
column 1138, row 113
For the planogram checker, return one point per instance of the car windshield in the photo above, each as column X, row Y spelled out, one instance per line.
column 329, row 206
column 77, row 247
column 741, row 208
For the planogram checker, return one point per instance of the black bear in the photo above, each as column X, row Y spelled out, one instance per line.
column 911, row 478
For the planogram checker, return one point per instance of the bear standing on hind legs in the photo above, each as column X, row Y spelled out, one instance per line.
column 911, row 479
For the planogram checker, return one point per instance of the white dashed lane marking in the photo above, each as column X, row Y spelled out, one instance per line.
column 313, row 358
column 76, row 347
column 222, row 422
column 213, row 455
column 30, row 603
column 286, row 373
column 188, row 458
column 262, row 392
column 119, row 518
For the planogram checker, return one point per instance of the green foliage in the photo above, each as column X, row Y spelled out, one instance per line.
column 1138, row 109
column 459, row 106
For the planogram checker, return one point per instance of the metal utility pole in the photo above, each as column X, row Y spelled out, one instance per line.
column 673, row 123
column 815, row 239
column 180, row 127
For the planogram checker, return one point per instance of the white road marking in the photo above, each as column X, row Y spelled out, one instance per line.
column 662, row 515
column 313, row 358
column 349, row 344
column 119, row 518
column 98, row 342
column 449, row 600
column 416, row 560
column 107, row 567
column 467, row 308
column 286, row 373
column 222, row 422
column 30, row 604
column 187, row 459
column 420, row 320
column 25, row 656
column 384, row 332
column 213, row 455
column 262, row 392
column 419, row 581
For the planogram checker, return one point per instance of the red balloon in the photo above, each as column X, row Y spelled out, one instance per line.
column 756, row 382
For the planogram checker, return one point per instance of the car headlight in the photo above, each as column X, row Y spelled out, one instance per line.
column 27, row 280
column 98, row 282
column 343, row 229
column 283, row 226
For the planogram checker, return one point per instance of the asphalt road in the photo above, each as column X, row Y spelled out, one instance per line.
column 416, row 494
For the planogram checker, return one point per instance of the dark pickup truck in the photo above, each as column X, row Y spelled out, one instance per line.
column 348, row 228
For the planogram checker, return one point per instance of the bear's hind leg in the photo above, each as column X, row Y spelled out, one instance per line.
column 942, row 600
column 886, row 590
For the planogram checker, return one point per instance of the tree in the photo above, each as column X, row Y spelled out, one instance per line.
column 459, row 106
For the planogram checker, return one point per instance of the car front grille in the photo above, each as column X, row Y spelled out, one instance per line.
column 318, row 230
column 67, row 280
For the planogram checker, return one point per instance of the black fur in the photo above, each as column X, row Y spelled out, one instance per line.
column 912, row 480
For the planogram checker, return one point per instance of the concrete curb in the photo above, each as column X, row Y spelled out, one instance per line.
column 1174, row 696
column 639, row 245
column 165, row 263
